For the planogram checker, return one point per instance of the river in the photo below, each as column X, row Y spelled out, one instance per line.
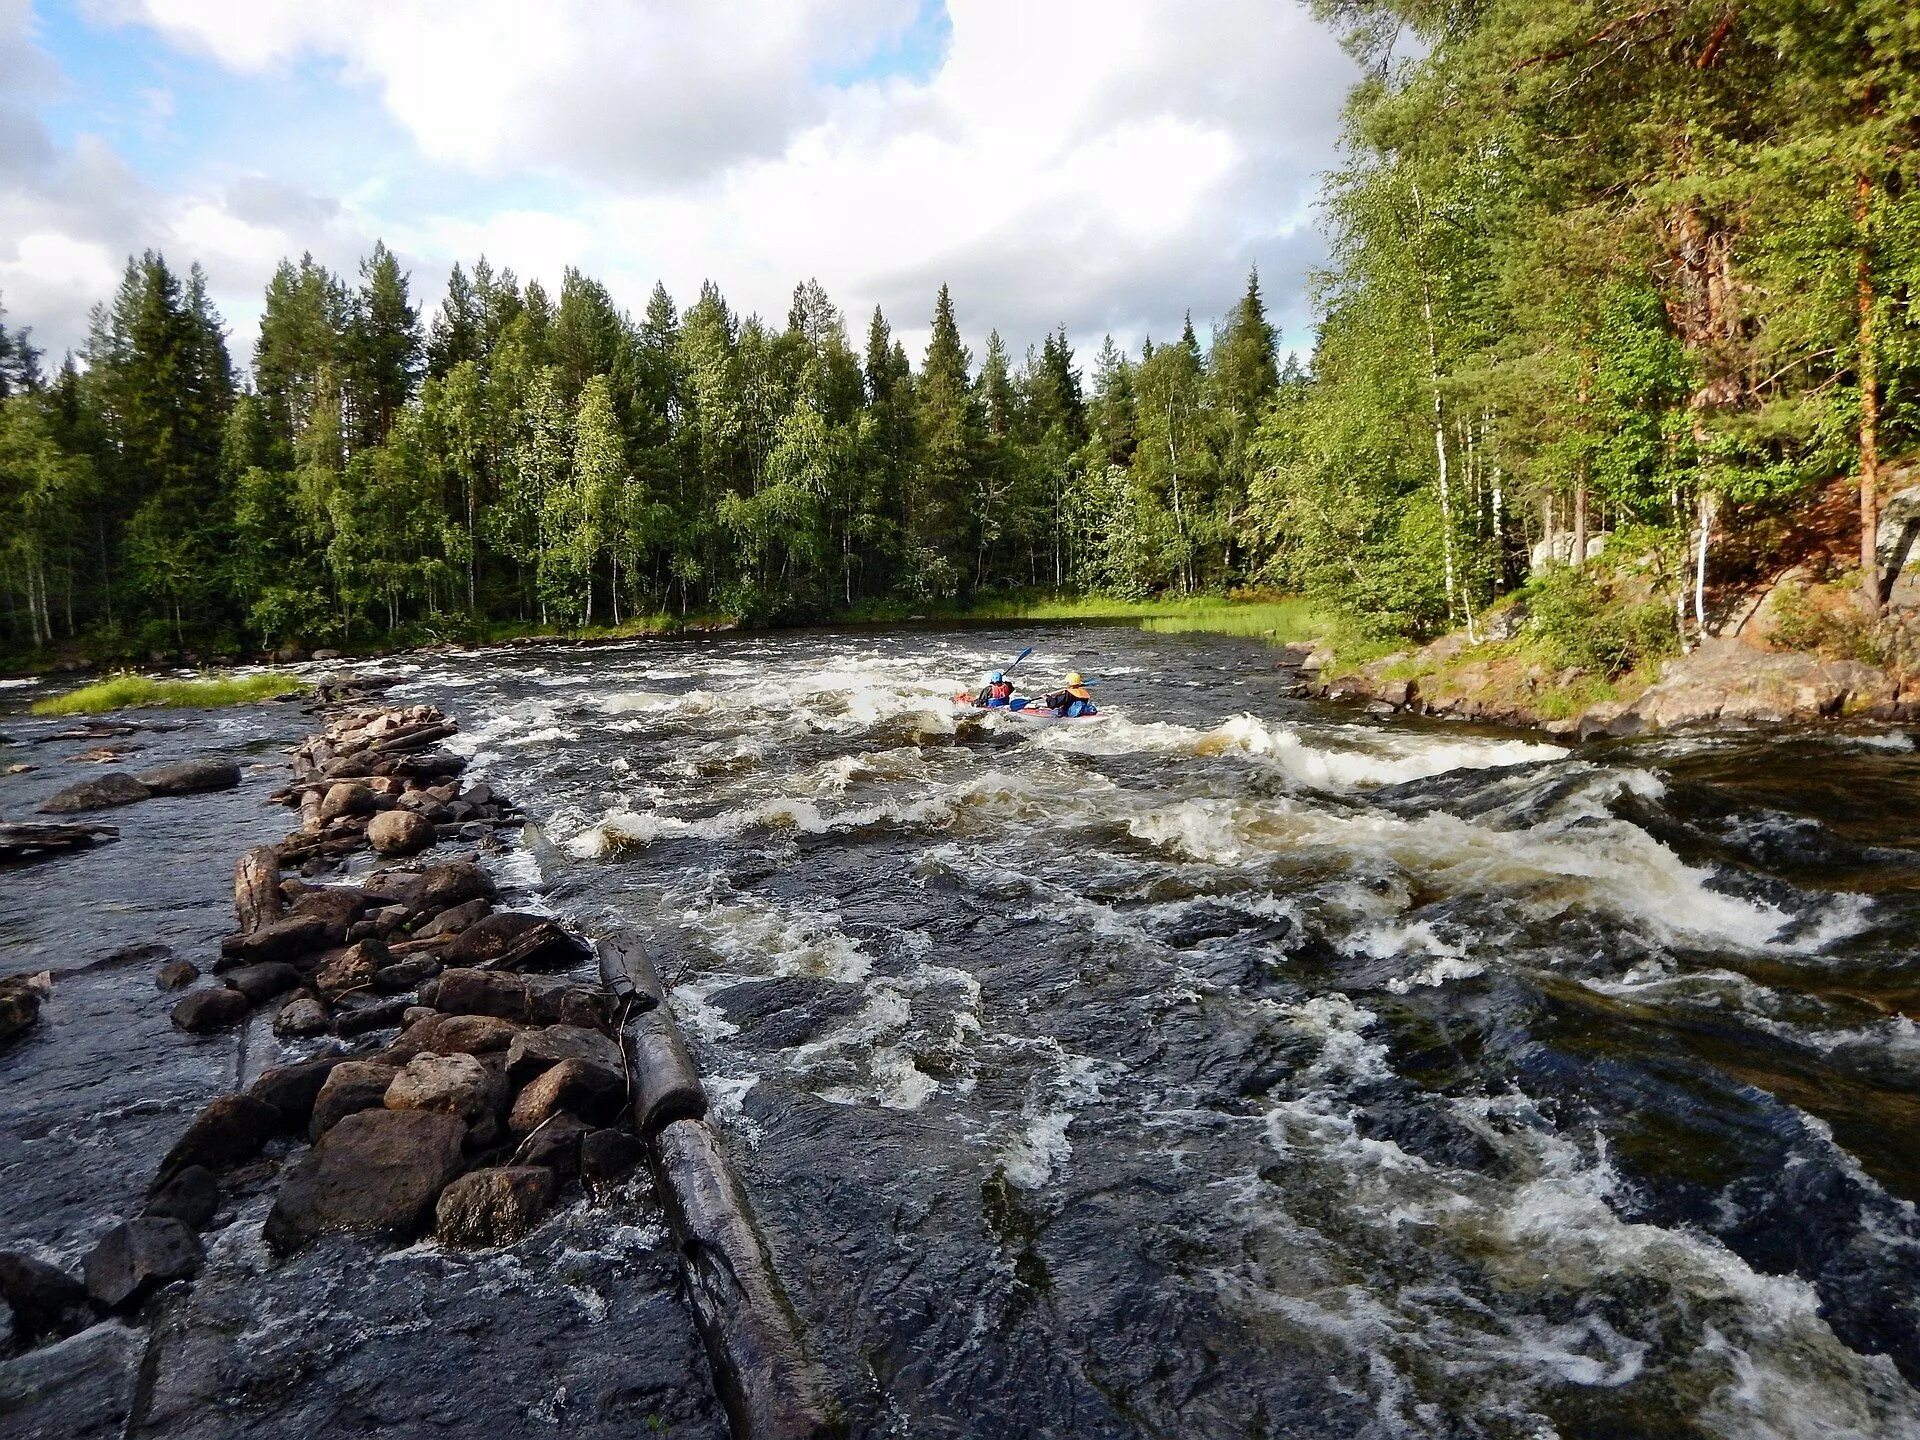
column 1240, row 1066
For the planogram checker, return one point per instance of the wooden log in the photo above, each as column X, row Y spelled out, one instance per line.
column 628, row 971
column 310, row 821
column 772, row 1388
column 666, row 1087
column 256, row 888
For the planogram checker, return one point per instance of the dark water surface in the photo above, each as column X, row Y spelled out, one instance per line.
column 1231, row 1067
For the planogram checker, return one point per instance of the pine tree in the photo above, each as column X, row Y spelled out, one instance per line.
column 382, row 348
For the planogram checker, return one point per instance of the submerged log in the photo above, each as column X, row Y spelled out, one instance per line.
column 256, row 888
column 771, row 1387
column 22, row 842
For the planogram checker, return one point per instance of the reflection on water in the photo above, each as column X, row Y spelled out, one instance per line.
column 1230, row 1067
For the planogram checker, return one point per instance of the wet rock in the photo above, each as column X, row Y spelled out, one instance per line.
column 262, row 982
column 102, row 792
column 192, row 1197
column 433, row 811
column 585, row 1088
column 404, row 976
column 292, row 1089
column 512, row 940
column 396, row 887
column 399, row 832
column 20, row 997
column 555, row 1144
column 541, row 999
column 230, row 1129
column 350, row 969
column 346, row 797
column 453, row 1035
column 190, row 777
column 201, row 1012
column 415, row 1014
column 336, row 906
column 136, row 1257
column 350, row 1087
column 45, row 1300
column 533, row 1051
column 287, row 939
column 495, row 1206
column 176, row 975
column 454, row 883
column 608, row 1154
column 377, row 1172
column 454, row 919
column 365, row 1012
column 451, row 1084
column 301, row 1016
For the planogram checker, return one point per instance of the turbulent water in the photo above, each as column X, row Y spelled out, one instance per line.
column 1230, row 1067
column 1234, row 1067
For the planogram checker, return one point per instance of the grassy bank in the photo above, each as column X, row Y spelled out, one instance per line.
column 125, row 692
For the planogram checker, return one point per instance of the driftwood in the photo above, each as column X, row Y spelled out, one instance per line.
column 256, row 888
column 27, row 841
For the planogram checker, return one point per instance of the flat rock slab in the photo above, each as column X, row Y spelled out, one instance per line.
column 189, row 777
column 79, row 1389
column 102, row 792
column 377, row 1173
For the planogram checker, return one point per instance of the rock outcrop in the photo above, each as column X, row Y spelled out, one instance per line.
column 376, row 1173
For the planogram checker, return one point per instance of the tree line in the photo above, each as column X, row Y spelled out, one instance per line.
column 1642, row 264
column 522, row 458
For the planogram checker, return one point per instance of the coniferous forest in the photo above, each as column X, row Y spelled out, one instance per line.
column 1640, row 268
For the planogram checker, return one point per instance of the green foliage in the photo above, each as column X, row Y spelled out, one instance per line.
column 1573, row 622
column 125, row 692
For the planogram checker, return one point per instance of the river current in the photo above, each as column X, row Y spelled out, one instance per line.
column 1240, row 1066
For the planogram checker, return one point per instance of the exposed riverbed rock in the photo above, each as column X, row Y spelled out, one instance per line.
column 286, row 939
column 350, row 1087
column 399, row 832
column 303, row 1015
column 580, row 1087
column 350, row 969
column 291, row 1090
column 454, row 919
column 451, row 1084
column 190, row 777
column 231, row 1128
column 513, row 940
column 102, row 792
column 534, row 1051
column 377, row 1172
column 542, row 999
column 176, row 975
column 453, row 1035
column 262, row 982
column 1732, row 684
column 20, row 997
column 201, row 1012
column 496, row 1206
column 347, row 797
column 136, row 1257
column 45, row 1300
column 192, row 1197
column 556, row 1144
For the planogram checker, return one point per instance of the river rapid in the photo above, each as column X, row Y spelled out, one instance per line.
column 1239, row 1066
column 1232, row 1066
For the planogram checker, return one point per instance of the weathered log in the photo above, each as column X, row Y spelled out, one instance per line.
column 666, row 1086
column 25, row 841
column 772, row 1388
column 413, row 737
column 627, row 970
column 256, row 888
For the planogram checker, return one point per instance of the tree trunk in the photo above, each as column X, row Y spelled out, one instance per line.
column 1578, row 554
column 1709, row 508
column 256, row 888
column 1870, row 589
column 1439, row 424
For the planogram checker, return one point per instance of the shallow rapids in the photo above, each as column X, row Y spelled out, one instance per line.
column 1238, row 1067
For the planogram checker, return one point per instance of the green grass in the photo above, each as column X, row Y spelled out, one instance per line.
column 125, row 692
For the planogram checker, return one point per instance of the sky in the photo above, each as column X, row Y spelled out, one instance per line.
column 1106, row 165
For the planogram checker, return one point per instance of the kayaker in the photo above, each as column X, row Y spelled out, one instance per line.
column 1074, row 701
column 997, row 692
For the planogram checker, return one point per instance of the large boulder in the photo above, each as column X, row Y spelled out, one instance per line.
column 189, row 777
column 286, row 939
column 101, row 792
column 542, row 999
column 496, row 1206
column 192, row 1197
column 46, row 1301
column 232, row 1128
column 136, row 1257
column 264, row 981
column 291, row 1090
column 375, row 1173
column 350, row 1087
column 453, row 1035
column 20, row 997
column 1727, row 682
column 201, row 1012
column 581, row 1087
column 399, row 832
column 512, row 940
column 335, row 906
column 347, row 797
column 451, row 1084
column 454, row 883
column 534, row 1051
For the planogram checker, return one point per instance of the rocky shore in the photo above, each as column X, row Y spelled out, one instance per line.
column 463, row 1065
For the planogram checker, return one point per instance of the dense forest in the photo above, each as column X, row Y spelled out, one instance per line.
column 1643, row 269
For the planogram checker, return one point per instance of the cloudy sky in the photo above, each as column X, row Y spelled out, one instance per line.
column 1106, row 164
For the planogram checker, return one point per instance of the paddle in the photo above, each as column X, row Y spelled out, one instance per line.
column 1017, row 659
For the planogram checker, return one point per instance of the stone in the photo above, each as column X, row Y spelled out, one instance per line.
column 302, row 1016
column 231, row 1128
column 377, row 1173
column 287, row 939
column 136, row 1257
column 351, row 1086
column 262, row 982
column 608, row 1154
column 542, row 999
column 45, row 1300
column 291, row 1090
column 399, row 832
column 451, row 1084
column 495, row 1206
column 336, row 906
column 454, row 919
column 190, row 777
column 351, row 969
column 533, row 1051
column 346, row 797
column 175, row 975
column 583, row 1087
column 102, row 792
column 454, row 883
column 512, row 940
column 192, row 1197
column 454, row 1035
column 555, row 1144
column 20, row 997
column 201, row 1012
column 417, row 1013
column 364, row 1012
column 404, row 976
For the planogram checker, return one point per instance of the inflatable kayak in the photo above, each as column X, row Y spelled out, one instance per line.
column 1030, row 711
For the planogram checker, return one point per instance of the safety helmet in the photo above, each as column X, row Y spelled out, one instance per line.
column 1073, row 678
column 996, row 677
